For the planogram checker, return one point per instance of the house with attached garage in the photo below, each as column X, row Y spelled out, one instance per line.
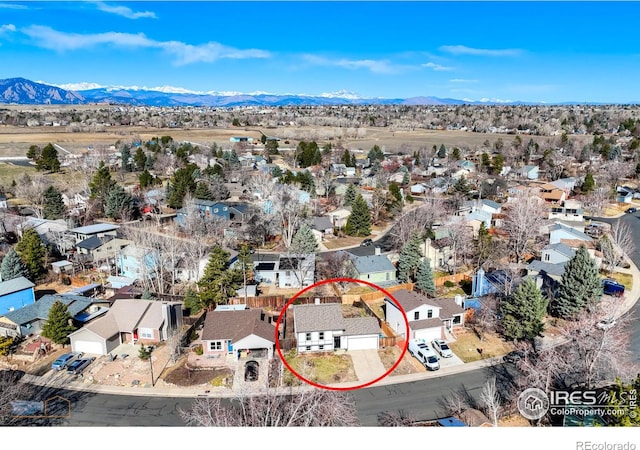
column 284, row 270
column 128, row 321
column 237, row 334
column 15, row 294
column 374, row 268
column 323, row 328
column 428, row 318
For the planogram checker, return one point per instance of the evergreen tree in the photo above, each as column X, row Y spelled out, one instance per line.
column 53, row 204
column 48, row 159
column 32, row 252
column 406, row 178
column 523, row 312
column 202, row 192
column 442, row 151
column 620, row 400
column 424, row 279
column 101, row 184
column 139, row 160
column 375, row 154
column 497, row 164
column 359, row 221
column 304, row 241
column 125, row 158
column 349, row 195
column 192, row 302
column 348, row 159
column 145, row 179
column 308, row 154
column 483, row 244
column 59, row 324
column 580, row 286
column 144, row 353
column 589, row 184
column 218, row 282
column 455, row 154
column 461, row 186
column 183, row 181
column 409, row 260
column 12, row 267
column 119, row 204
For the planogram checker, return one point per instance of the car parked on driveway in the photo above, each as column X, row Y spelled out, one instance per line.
column 63, row 361
column 251, row 371
column 366, row 243
column 442, row 348
column 513, row 357
column 631, row 210
column 613, row 288
column 606, row 324
column 77, row 366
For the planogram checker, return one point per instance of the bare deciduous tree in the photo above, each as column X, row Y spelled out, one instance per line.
column 525, row 217
column 10, row 390
column 491, row 400
column 289, row 211
column 272, row 408
column 31, row 189
column 617, row 245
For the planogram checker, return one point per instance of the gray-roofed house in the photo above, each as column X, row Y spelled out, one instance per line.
column 374, row 268
column 238, row 334
column 98, row 229
column 128, row 321
column 101, row 248
column 323, row 328
column 294, row 271
column 557, row 253
column 29, row 320
column 559, row 232
column 322, row 224
column 428, row 318
column 15, row 294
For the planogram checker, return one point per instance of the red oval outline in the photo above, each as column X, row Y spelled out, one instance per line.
column 349, row 280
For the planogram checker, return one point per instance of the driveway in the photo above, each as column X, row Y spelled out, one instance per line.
column 366, row 364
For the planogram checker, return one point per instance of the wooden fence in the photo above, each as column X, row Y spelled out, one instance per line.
column 275, row 302
column 379, row 295
column 387, row 341
column 440, row 281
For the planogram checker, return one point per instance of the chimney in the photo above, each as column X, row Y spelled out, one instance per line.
column 317, row 301
column 377, row 251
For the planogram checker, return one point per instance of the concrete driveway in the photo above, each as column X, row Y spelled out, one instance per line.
column 366, row 364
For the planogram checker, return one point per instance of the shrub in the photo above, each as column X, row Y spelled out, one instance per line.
column 198, row 350
column 449, row 284
column 66, row 281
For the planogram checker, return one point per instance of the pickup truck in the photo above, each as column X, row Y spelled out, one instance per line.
column 613, row 288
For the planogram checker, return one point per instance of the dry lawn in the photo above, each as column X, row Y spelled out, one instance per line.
column 181, row 375
column 348, row 241
column 390, row 355
column 467, row 344
column 324, row 368
column 514, row 421
column 623, row 278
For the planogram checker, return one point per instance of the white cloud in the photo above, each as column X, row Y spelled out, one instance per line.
column 49, row 38
column 12, row 6
column 7, row 28
column 436, row 67
column 373, row 65
column 125, row 11
column 462, row 80
column 464, row 50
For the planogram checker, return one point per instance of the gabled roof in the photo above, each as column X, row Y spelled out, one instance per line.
column 356, row 326
column 548, row 268
column 577, row 234
column 321, row 223
column 236, row 325
column 40, row 309
column 410, row 300
column 323, row 317
column 15, row 285
column 491, row 204
column 94, row 242
column 561, row 248
column 372, row 264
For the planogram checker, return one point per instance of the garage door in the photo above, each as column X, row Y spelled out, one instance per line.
column 94, row 348
column 362, row 342
column 428, row 334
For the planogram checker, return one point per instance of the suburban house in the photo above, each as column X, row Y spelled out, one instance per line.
column 282, row 270
column 62, row 266
column 429, row 318
column 322, row 225
column 374, row 268
column 132, row 321
column 207, row 208
column 136, row 262
column 551, row 194
column 557, row 253
column 53, row 232
column 339, row 217
column 15, row 294
column 570, row 211
column 559, row 232
column 29, row 320
column 490, row 283
column 440, row 249
column 237, row 334
column 98, row 230
column 100, row 249
column 530, row 172
column 323, row 328
column 624, row 195
column 566, row 184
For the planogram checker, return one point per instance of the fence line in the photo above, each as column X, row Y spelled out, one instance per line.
column 440, row 281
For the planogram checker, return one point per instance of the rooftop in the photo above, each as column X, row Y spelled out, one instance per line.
column 15, row 285
column 96, row 228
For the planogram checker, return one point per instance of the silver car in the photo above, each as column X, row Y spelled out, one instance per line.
column 442, row 348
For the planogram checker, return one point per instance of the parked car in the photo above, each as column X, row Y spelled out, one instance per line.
column 251, row 371
column 631, row 210
column 441, row 348
column 513, row 357
column 612, row 287
column 366, row 243
column 420, row 350
column 63, row 361
column 606, row 324
column 77, row 366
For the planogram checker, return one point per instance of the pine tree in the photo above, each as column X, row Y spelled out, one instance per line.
column 125, row 159
column 349, row 195
column 589, row 184
column 218, row 282
column 375, row 153
column 192, row 302
column 145, row 179
column 139, row 160
column 183, row 181
column 101, row 184
column 304, row 241
column 580, row 286
column 12, row 267
column 409, row 259
column 202, row 192
column 53, row 204
column 424, row 280
column 32, row 252
column 359, row 221
column 119, row 204
column 442, row 151
column 59, row 323
column 523, row 312
column 48, row 159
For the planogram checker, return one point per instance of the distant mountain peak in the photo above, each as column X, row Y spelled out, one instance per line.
column 22, row 91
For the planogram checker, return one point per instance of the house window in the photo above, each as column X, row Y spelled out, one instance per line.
column 456, row 320
column 308, row 348
column 546, row 257
column 288, row 273
column 215, row 345
column 215, row 210
column 416, row 315
column 308, row 337
column 146, row 333
column 321, row 335
column 429, row 314
column 321, row 347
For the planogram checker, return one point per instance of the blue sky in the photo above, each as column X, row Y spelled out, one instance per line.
column 529, row 51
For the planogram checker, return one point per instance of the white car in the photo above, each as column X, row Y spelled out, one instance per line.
column 606, row 324
column 442, row 348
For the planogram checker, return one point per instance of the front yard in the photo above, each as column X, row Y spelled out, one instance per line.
column 322, row 368
column 468, row 347
column 389, row 356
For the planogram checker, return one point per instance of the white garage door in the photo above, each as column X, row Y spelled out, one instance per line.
column 428, row 334
column 94, row 348
column 362, row 342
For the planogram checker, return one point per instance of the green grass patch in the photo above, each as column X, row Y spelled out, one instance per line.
column 10, row 172
column 439, row 274
column 452, row 292
column 359, row 290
